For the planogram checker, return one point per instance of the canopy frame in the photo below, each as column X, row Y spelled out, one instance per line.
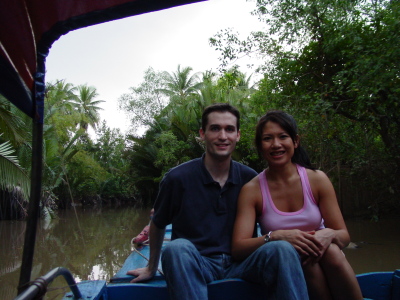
column 27, row 32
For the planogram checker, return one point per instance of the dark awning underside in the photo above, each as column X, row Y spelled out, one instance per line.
column 28, row 28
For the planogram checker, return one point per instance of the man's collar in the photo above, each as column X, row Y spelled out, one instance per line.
column 207, row 178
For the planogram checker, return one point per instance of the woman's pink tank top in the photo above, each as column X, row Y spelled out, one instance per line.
column 307, row 218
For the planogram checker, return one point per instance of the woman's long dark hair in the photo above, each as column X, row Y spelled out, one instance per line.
column 288, row 124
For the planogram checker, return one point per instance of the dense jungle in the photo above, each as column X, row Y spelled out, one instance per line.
column 333, row 64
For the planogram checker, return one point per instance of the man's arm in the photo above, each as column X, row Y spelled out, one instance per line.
column 156, row 241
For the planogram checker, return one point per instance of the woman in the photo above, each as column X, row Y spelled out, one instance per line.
column 295, row 203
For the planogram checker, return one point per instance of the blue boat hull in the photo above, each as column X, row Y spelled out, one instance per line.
column 377, row 285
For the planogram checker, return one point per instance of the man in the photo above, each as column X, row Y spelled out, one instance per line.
column 199, row 198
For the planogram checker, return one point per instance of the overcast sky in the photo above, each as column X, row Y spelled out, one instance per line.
column 113, row 56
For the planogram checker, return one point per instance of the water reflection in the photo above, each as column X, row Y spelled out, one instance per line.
column 94, row 244
column 378, row 245
column 11, row 243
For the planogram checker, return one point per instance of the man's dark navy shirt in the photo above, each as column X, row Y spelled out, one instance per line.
column 198, row 208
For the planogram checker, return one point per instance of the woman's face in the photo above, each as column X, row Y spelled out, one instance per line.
column 277, row 145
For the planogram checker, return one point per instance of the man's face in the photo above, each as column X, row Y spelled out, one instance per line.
column 221, row 134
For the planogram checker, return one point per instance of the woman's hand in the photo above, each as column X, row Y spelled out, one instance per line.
column 305, row 243
column 325, row 238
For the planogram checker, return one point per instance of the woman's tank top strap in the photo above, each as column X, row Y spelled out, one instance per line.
column 305, row 183
column 264, row 189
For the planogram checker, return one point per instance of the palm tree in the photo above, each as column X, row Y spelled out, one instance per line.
column 14, row 136
column 181, row 85
column 12, row 175
column 87, row 106
column 12, row 123
column 66, row 107
column 60, row 95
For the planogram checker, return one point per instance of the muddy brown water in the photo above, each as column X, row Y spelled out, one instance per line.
column 93, row 244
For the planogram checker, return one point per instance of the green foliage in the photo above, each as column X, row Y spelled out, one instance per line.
column 180, row 85
column 170, row 152
column 13, row 140
column 70, row 171
column 61, row 115
column 334, row 65
column 142, row 171
column 87, row 106
column 12, row 123
column 110, row 151
column 109, row 148
column 145, row 101
column 12, row 175
column 86, row 176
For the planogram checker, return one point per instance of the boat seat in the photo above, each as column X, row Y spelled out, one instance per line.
column 232, row 289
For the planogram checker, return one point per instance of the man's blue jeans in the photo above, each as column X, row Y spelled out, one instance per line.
column 276, row 265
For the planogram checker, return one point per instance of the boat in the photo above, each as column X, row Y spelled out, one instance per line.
column 375, row 285
column 28, row 30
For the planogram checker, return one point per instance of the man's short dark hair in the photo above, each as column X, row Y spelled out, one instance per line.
column 219, row 107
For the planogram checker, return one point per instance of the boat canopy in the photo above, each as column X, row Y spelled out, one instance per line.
column 28, row 28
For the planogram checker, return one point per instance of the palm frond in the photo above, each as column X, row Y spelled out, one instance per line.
column 12, row 126
column 11, row 173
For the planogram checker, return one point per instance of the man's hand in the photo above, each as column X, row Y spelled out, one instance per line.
column 143, row 274
column 156, row 240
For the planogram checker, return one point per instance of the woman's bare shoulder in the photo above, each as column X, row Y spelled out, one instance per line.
column 316, row 175
column 253, row 183
column 320, row 184
column 250, row 194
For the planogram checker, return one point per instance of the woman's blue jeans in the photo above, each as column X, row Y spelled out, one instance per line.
column 276, row 265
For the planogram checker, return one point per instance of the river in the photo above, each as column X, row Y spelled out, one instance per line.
column 93, row 244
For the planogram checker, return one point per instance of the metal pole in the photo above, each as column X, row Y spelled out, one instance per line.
column 34, row 202
column 37, row 115
column 39, row 286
